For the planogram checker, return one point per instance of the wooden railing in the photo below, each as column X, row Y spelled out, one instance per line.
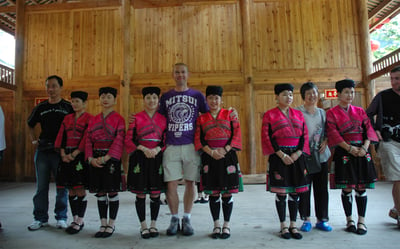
column 385, row 64
column 7, row 77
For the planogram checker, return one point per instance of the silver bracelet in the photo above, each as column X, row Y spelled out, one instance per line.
column 351, row 148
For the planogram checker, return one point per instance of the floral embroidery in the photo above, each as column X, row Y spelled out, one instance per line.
column 112, row 168
column 205, row 169
column 231, row 169
column 277, row 176
column 79, row 167
column 345, row 159
column 136, row 169
column 368, row 156
column 160, row 170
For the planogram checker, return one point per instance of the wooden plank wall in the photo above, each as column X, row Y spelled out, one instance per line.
column 287, row 41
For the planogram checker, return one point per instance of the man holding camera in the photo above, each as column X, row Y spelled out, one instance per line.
column 384, row 114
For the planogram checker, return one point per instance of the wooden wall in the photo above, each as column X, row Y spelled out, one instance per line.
column 244, row 45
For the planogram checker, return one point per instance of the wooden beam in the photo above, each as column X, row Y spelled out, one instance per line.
column 7, row 16
column 365, row 49
column 12, row 2
column 7, row 29
column 20, row 125
column 7, row 9
column 7, row 86
column 378, row 9
column 141, row 4
column 89, row 4
column 5, row 20
column 249, row 109
column 127, row 58
column 385, row 70
column 384, row 17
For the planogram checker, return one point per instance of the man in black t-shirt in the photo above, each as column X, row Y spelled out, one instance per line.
column 50, row 114
column 385, row 106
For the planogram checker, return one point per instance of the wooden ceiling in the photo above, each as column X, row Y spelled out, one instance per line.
column 379, row 10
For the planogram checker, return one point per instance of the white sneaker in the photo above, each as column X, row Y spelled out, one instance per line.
column 61, row 224
column 36, row 224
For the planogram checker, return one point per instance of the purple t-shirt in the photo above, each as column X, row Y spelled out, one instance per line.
column 181, row 110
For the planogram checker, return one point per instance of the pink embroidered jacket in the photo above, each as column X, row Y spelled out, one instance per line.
column 72, row 133
column 278, row 130
column 351, row 126
column 218, row 132
column 106, row 133
column 147, row 131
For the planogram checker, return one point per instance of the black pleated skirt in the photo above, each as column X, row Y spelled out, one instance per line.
column 146, row 175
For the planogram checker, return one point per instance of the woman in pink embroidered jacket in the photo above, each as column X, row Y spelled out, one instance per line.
column 350, row 133
column 144, row 143
column 284, row 138
column 73, row 170
column 218, row 136
column 104, row 147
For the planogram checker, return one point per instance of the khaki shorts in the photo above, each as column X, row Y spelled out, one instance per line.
column 389, row 153
column 181, row 162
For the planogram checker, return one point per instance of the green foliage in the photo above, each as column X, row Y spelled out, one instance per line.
column 388, row 36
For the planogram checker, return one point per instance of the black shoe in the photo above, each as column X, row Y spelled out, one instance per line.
column 361, row 230
column 72, row 230
column 153, row 232
column 351, row 228
column 99, row 234
column 108, row 234
column 284, row 233
column 204, row 200
column 145, row 233
column 226, row 233
column 198, row 200
column 294, row 232
column 216, row 233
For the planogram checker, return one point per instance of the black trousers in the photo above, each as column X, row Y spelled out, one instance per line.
column 319, row 182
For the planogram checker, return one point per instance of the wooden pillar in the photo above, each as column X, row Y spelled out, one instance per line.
column 20, row 125
column 249, row 85
column 365, row 49
column 127, row 60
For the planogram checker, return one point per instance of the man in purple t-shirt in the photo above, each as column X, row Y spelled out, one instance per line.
column 181, row 106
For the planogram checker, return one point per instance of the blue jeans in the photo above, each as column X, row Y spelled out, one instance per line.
column 46, row 162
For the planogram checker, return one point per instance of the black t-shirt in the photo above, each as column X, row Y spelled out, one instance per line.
column 390, row 103
column 50, row 117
